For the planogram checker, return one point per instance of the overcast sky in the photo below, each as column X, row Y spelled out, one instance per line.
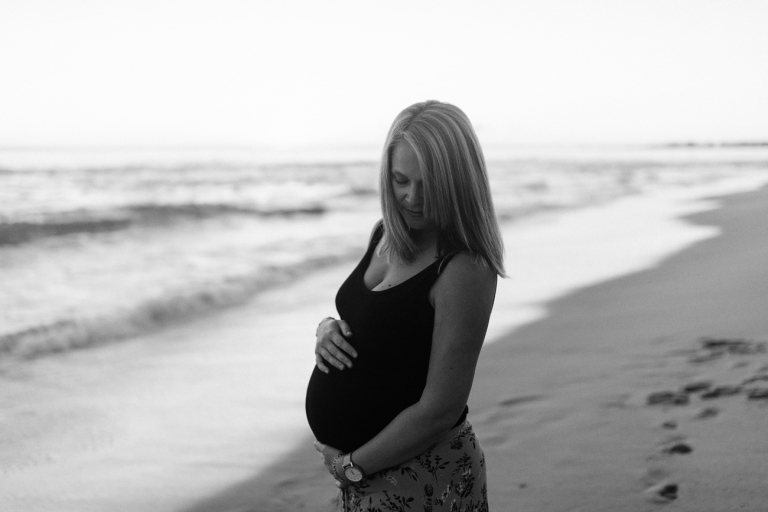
column 327, row 72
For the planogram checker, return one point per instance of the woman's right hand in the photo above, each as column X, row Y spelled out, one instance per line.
column 331, row 345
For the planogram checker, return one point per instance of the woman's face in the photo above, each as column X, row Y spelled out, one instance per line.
column 408, row 186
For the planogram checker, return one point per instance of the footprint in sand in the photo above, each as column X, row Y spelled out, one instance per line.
column 711, row 349
column 663, row 493
column 755, row 378
column 668, row 398
column 698, row 386
column 673, row 445
column 669, row 425
column 678, row 449
column 508, row 408
column 658, row 487
column 758, row 394
column 707, row 413
column 721, row 391
column 517, row 400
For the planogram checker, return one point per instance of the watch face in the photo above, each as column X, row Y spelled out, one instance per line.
column 353, row 474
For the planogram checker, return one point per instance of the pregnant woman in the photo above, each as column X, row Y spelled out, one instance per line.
column 387, row 400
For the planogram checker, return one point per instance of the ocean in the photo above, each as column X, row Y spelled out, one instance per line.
column 97, row 246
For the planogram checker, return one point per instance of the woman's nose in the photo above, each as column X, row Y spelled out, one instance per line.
column 414, row 195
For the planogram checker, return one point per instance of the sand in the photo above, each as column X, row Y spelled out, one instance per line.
column 575, row 431
column 560, row 403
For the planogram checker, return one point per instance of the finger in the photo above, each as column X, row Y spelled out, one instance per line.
column 338, row 353
column 345, row 346
column 321, row 364
column 345, row 329
column 319, row 446
column 330, row 358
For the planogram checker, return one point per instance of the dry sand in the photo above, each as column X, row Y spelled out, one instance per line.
column 562, row 408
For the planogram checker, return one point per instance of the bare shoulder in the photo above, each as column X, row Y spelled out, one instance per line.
column 465, row 268
column 465, row 278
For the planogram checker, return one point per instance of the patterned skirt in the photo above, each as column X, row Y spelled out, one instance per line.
column 448, row 476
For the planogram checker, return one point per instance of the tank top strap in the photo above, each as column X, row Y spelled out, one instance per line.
column 378, row 233
column 444, row 261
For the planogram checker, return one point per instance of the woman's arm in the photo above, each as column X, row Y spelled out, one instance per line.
column 463, row 299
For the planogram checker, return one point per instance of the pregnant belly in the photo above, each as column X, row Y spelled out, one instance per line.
column 346, row 409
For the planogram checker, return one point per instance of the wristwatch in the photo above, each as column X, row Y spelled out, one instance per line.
column 352, row 472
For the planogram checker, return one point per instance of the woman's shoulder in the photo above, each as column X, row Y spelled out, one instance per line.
column 464, row 262
column 465, row 272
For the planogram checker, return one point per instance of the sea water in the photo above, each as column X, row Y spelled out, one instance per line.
column 102, row 245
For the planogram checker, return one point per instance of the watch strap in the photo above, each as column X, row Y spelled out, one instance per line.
column 333, row 465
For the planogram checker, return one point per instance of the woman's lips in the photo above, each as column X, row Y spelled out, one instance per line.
column 414, row 213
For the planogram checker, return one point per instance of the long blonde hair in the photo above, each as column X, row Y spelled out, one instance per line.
column 457, row 196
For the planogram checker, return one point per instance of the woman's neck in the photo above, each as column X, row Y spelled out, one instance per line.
column 425, row 239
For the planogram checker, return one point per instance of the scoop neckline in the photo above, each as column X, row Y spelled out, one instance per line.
column 367, row 261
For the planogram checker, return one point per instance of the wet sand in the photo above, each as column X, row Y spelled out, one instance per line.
column 566, row 407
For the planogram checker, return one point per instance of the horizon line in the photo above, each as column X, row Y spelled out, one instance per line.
column 287, row 147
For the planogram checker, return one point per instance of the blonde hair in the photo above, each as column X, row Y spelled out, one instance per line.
column 457, row 196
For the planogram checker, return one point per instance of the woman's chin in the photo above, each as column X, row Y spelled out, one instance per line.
column 420, row 225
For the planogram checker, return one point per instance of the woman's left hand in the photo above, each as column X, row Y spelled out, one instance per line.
column 329, row 453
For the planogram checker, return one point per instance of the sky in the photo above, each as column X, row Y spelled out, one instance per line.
column 336, row 73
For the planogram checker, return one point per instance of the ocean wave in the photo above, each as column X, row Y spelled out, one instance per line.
column 74, row 333
column 152, row 212
column 64, row 223
column 14, row 233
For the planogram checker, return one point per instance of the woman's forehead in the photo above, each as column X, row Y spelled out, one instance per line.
column 404, row 159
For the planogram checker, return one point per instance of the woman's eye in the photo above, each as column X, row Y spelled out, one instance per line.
column 400, row 181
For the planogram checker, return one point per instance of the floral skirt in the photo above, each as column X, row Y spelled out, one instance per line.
column 449, row 476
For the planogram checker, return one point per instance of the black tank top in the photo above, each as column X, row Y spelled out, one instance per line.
column 392, row 333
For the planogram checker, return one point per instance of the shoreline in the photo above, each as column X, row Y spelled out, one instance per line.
column 171, row 452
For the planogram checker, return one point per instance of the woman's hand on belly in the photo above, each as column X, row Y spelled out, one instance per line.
column 331, row 456
column 331, row 345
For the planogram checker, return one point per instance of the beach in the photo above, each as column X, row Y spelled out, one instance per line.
column 607, row 306
column 564, row 406
column 577, row 432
